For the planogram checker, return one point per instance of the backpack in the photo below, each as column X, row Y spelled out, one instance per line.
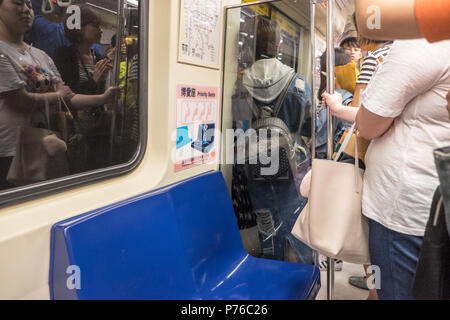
column 266, row 118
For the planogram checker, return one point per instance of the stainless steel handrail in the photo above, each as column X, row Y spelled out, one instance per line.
column 313, row 78
column 330, row 146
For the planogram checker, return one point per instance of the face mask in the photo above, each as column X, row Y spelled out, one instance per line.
column 346, row 76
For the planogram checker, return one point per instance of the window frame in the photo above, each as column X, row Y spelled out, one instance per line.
column 35, row 191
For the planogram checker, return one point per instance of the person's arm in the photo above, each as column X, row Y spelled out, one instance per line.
column 387, row 19
column 82, row 101
column 334, row 102
column 26, row 101
column 371, row 125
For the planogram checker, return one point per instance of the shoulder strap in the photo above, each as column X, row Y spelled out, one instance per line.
column 438, row 211
column 257, row 110
column 346, row 142
column 283, row 94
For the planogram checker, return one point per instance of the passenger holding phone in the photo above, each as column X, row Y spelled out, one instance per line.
column 86, row 72
column 29, row 80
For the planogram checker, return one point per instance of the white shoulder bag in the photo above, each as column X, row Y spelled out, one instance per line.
column 332, row 222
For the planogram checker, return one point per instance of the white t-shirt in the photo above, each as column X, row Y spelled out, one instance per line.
column 401, row 176
column 32, row 69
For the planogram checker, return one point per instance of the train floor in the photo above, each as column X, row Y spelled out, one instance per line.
column 342, row 289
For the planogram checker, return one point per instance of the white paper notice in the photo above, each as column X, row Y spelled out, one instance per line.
column 200, row 32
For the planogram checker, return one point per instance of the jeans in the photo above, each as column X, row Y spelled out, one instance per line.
column 278, row 205
column 396, row 255
column 442, row 158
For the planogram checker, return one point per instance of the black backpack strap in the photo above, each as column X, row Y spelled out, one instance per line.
column 257, row 113
column 283, row 95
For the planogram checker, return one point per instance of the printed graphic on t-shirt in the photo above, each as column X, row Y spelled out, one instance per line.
column 39, row 79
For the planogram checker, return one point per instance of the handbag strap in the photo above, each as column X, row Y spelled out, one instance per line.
column 438, row 211
column 345, row 142
column 357, row 183
column 342, row 149
column 47, row 112
column 61, row 100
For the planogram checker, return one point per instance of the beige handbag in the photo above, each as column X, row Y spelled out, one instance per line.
column 332, row 223
column 34, row 161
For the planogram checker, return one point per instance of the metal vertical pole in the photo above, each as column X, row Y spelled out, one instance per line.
column 116, row 71
column 330, row 89
column 313, row 92
column 119, row 39
column 313, row 78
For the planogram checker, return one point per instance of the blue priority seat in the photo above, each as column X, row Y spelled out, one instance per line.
column 179, row 242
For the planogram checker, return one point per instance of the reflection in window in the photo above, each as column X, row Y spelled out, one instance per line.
column 269, row 101
column 69, row 91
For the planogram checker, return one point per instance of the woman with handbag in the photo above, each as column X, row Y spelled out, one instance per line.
column 29, row 81
column 85, row 72
column 404, row 113
column 377, row 53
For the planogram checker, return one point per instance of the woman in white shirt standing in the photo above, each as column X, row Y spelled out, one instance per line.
column 404, row 112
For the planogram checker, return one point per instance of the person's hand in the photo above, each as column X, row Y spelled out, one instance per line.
column 334, row 102
column 111, row 94
column 110, row 53
column 54, row 146
column 101, row 70
column 65, row 93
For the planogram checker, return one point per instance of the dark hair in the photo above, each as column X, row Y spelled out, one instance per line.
column 350, row 42
column 87, row 16
column 341, row 58
column 268, row 37
column 363, row 40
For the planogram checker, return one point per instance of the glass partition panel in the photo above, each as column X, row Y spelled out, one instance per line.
column 68, row 92
column 266, row 117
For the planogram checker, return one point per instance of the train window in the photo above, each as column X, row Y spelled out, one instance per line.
column 266, row 112
column 69, row 93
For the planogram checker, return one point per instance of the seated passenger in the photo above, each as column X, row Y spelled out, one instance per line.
column 260, row 90
column 85, row 73
column 28, row 81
